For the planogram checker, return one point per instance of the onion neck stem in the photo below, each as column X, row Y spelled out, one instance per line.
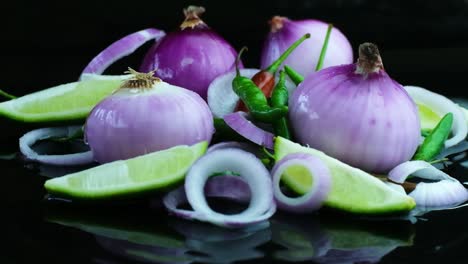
column 324, row 48
column 275, row 65
column 276, row 23
column 369, row 60
column 140, row 80
column 192, row 17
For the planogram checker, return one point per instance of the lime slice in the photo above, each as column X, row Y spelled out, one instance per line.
column 141, row 174
column 352, row 190
column 429, row 119
column 69, row 101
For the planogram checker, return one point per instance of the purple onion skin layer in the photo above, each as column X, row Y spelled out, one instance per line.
column 126, row 125
column 304, row 59
column 370, row 123
column 191, row 58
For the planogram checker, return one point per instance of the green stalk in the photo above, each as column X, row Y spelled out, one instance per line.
column 275, row 65
column 296, row 77
column 324, row 48
column 7, row 95
column 238, row 59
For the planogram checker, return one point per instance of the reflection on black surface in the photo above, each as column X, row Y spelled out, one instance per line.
column 328, row 239
column 319, row 238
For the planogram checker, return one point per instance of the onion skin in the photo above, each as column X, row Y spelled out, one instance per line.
column 365, row 120
column 304, row 59
column 191, row 57
column 128, row 123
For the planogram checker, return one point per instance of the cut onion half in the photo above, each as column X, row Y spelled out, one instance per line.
column 441, row 105
column 121, row 48
column 239, row 123
column 30, row 138
column 446, row 191
column 251, row 170
column 316, row 195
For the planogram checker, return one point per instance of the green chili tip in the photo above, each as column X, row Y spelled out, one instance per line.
column 238, row 59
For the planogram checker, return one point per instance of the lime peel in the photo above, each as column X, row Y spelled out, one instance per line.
column 71, row 101
column 352, row 189
column 150, row 172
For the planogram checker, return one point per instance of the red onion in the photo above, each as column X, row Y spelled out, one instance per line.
column 192, row 56
column 357, row 114
column 144, row 116
column 304, row 59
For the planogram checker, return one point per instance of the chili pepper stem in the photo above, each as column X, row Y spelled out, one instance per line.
column 238, row 59
column 324, row 48
column 275, row 65
column 296, row 77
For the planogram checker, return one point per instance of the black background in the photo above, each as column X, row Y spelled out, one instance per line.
column 45, row 43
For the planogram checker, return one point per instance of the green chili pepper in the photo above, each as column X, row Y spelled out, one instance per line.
column 254, row 99
column 434, row 142
column 279, row 97
column 296, row 77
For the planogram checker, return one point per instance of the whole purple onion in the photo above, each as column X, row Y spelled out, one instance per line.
column 144, row 116
column 191, row 57
column 304, row 59
column 357, row 114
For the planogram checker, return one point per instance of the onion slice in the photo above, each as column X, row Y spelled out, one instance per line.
column 441, row 105
column 447, row 191
column 30, row 138
column 251, row 170
column 316, row 195
column 121, row 48
column 239, row 123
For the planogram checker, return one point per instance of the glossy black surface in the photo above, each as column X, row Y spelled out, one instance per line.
column 45, row 43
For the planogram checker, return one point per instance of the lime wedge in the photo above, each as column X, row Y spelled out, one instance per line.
column 352, row 190
column 141, row 174
column 429, row 119
column 69, row 101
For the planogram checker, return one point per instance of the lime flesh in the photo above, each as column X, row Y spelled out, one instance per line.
column 352, row 190
column 141, row 174
column 69, row 101
column 429, row 119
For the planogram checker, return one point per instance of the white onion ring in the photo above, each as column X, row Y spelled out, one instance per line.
column 316, row 195
column 30, row 138
column 441, row 105
column 251, row 169
column 121, row 48
column 447, row 191
column 239, row 123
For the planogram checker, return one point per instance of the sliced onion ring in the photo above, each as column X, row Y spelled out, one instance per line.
column 239, row 123
column 30, row 138
column 251, row 169
column 447, row 191
column 313, row 199
column 441, row 105
column 121, row 48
